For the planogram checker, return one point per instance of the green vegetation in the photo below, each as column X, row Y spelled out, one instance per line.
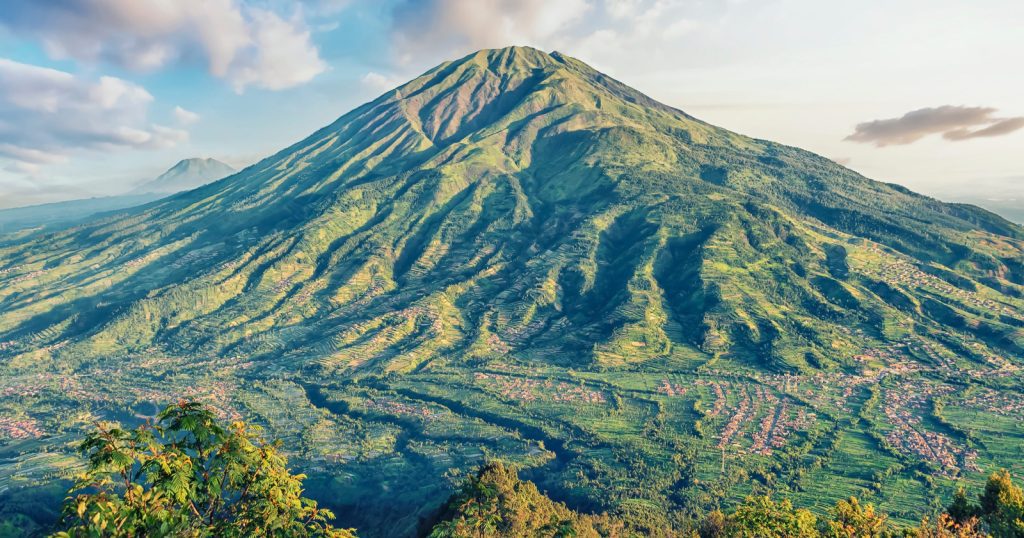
column 515, row 255
column 188, row 476
column 1000, row 507
column 496, row 503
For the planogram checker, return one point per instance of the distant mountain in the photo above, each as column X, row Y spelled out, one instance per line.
column 1011, row 208
column 186, row 175
column 1002, row 195
column 66, row 213
column 517, row 256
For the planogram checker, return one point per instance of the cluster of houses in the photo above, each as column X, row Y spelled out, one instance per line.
column 25, row 277
column 497, row 345
column 282, row 284
column 140, row 261
column 194, row 256
column 903, row 407
column 721, row 395
column 906, row 274
column 392, row 407
column 25, row 386
column 996, row 402
column 526, row 389
column 778, row 418
column 671, row 389
column 741, row 413
column 215, row 394
column 13, row 428
column 778, row 425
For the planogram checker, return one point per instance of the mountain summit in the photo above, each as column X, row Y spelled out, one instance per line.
column 187, row 174
column 484, row 244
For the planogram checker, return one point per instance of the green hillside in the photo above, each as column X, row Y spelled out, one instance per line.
column 516, row 255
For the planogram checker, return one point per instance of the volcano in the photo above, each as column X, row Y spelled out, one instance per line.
column 552, row 265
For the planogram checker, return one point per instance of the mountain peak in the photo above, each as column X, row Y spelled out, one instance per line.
column 512, row 93
column 186, row 174
column 514, row 58
column 196, row 162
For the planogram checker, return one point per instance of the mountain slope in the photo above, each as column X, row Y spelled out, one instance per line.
column 513, row 182
column 550, row 264
column 187, row 174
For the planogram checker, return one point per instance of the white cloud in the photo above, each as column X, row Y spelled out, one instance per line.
column 620, row 9
column 48, row 114
column 444, row 26
column 247, row 46
column 282, row 55
column 380, row 83
column 185, row 117
column 630, row 35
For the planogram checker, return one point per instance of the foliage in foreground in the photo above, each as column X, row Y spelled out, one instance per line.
column 186, row 475
column 496, row 503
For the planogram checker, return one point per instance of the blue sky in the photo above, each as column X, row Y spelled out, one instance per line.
column 96, row 95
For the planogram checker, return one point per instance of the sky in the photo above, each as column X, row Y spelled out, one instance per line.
column 99, row 95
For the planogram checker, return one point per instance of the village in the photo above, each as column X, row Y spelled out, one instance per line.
column 528, row 390
column 12, row 428
column 903, row 406
column 393, row 407
column 904, row 273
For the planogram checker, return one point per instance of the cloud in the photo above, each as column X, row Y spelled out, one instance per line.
column 282, row 56
column 185, row 117
column 378, row 82
column 999, row 128
column 325, row 7
column 623, row 36
column 47, row 114
column 954, row 122
column 247, row 46
column 443, row 26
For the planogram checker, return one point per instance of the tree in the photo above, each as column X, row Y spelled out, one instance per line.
column 961, row 508
column 187, row 476
column 760, row 517
column 496, row 503
column 851, row 519
column 946, row 527
column 1000, row 507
